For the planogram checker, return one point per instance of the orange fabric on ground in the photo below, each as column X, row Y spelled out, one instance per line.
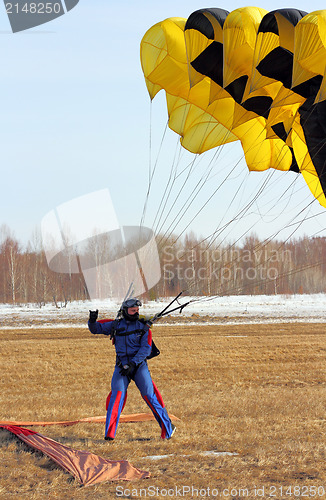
column 133, row 417
column 87, row 467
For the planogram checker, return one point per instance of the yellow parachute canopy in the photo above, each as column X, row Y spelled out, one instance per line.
column 247, row 75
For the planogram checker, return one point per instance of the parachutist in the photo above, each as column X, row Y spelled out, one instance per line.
column 132, row 339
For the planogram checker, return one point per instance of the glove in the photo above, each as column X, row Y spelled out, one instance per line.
column 128, row 370
column 93, row 316
column 146, row 320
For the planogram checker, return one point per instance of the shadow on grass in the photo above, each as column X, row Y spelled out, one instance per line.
column 140, row 439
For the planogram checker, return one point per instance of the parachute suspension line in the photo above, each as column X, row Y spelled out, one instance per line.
column 192, row 196
column 150, row 143
column 196, row 190
column 202, row 207
column 297, row 224
column 149, row 162
column 198, row 187
column 168, row 188
column 151, row 173
column 216, row 233
column 261, row 247
column 292, row 221
column 230, row 204
column 270, row 238
column 281, row 196
column 178, row 194
column 171, row 180
column 288, row 200
column 236, row 290
column 213, row 237
column 190, row 167
column 322, row 227
column 240, row 215
column 236, row 217
column 293, row 183
column 245, row 209
column 281, row 275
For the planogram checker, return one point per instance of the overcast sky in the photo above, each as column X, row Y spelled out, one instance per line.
column 76, row 118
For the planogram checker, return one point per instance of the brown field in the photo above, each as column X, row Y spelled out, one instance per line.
column 255, row 390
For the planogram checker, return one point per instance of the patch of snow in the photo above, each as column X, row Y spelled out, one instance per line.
column 229, row 310
column 218, row 453
column 157, row 457
column 203, row 453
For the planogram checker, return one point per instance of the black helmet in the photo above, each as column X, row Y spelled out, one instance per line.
column 130, row 303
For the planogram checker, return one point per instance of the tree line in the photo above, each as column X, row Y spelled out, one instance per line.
column 191, row 265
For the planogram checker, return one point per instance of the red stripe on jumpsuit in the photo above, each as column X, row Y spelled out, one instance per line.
column 149, row 338
column 114, row 413
column 158, row 395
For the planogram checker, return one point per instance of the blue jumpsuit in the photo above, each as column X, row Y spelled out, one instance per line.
column 133, row 342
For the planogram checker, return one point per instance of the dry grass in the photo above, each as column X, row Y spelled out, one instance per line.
column 254, row 390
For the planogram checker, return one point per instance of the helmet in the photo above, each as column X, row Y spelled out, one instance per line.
column 130, row 303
